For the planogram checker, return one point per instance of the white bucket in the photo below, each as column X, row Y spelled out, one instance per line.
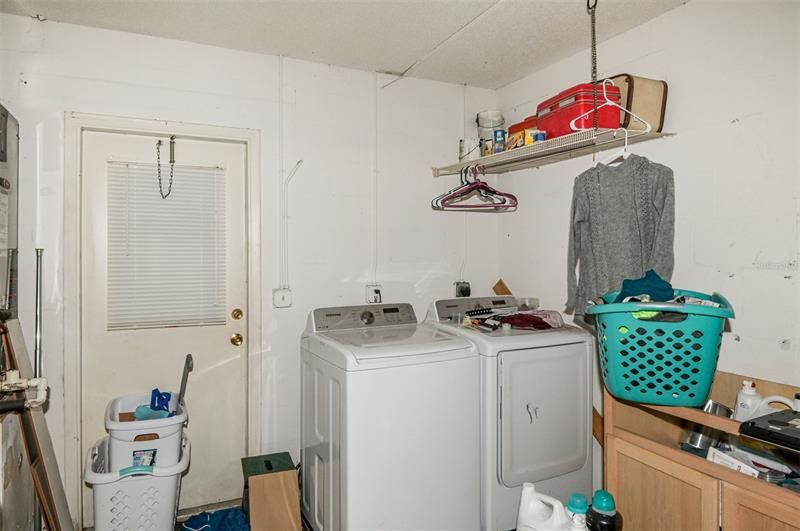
column 140, row 498
column 157, row 439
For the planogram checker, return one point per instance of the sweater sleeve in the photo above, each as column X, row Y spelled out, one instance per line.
column 663, row 254
column 573, row 251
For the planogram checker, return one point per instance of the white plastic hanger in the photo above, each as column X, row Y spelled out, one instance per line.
column 621, row 153
column 624, row 153
column 609, row 103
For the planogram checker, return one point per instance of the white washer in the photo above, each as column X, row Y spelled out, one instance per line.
column 536, row 403
column 390, row 422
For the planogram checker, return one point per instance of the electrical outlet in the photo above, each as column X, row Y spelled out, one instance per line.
column 462, row 289
column 281, row 298
column 373, row 293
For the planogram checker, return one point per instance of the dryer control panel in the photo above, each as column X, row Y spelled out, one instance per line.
column 366, row 316
column 474, row 306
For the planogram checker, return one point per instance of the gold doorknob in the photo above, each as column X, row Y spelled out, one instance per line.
column 237, row 340
column 237, row 313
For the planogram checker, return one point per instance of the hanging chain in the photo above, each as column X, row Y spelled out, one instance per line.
column 591, row 8
column 171, row 165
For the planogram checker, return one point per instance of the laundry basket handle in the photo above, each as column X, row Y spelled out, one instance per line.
column 136, row 469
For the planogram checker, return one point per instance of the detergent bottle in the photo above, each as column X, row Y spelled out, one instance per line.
column 540, row 512
column 577, row 506
column 747, row 401
column 750, row 404
column 603, row 515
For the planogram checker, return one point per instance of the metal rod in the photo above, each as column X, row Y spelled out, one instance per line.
column 37, row 341
column 38, row 523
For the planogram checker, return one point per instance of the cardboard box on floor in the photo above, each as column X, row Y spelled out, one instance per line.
column 272, row 494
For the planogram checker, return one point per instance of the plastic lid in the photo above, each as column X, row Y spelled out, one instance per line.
column 603, row 502
column 577, row 503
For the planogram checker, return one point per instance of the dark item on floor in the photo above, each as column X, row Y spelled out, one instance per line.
column 36, row 436
column 651, row 284
column 224, row 520
column 271, row 496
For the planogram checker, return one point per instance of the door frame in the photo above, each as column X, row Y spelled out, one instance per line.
column 75, row 125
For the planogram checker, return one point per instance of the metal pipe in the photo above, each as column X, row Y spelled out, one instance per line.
column 38, row 523
column 37, row 341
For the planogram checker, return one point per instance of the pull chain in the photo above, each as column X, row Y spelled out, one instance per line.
column 171, row 165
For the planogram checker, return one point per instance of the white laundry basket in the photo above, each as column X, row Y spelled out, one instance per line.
column 135, row 498
column 150, row 442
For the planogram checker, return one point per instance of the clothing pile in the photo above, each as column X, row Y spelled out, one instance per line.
column 521, row 320
column 653, row 288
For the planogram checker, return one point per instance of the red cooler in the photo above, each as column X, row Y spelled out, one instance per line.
column 556, row 113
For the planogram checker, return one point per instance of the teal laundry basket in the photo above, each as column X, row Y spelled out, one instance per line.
column 660, row 362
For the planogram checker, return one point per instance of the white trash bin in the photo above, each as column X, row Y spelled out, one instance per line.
column 144, row 442
column 134, row 498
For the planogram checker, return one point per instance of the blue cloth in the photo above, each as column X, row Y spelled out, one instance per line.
column 651, row 284
column 159, row 401
column 146, row 413
column 224, row 520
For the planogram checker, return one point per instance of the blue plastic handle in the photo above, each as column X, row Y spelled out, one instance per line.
column 132, row 470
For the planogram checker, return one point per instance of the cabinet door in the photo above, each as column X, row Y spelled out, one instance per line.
column 744, row 510
column 657, row 494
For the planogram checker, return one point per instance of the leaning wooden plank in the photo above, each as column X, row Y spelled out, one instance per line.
column 38, row 445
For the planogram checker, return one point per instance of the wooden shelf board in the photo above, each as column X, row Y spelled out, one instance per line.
column 698, row 416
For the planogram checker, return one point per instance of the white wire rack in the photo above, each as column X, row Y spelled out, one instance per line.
column 550, row 151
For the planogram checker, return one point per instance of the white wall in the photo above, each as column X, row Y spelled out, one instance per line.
column 733, row 70
column 50, row 68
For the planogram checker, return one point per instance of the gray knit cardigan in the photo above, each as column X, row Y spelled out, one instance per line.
column 622, row 224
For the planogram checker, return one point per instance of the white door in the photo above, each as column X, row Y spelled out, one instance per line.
column 161, row 278
column 544, row 412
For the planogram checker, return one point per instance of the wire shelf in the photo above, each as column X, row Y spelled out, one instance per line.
column 562, row 148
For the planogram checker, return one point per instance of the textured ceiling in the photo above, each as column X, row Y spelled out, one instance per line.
column 484, row 43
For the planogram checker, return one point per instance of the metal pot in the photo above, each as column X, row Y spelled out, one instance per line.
column 703, row 437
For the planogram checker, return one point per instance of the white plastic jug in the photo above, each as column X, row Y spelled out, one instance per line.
column 750, row 404
column 540, row 512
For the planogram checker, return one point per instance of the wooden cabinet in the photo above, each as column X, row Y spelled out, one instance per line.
column 743, row 510
column 659, row 487
column 643, row 482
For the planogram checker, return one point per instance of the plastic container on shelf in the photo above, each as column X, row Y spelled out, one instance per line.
column 664, row 362
column 144, row 498
column 149, row 442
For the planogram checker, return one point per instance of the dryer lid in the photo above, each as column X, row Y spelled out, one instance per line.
column 397, row 341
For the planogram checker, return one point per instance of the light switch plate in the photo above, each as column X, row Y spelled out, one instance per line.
column 282, row 298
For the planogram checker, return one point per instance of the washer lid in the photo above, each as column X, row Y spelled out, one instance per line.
column 397, row 341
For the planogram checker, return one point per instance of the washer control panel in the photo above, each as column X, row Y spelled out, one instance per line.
column 367, row 316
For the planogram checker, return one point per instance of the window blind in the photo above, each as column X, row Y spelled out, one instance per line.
column 166, row 257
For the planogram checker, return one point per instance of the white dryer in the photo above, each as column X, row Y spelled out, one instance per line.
column 389, row 422
column 536, row 404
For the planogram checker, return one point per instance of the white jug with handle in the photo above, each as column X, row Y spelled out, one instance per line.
column 540, row 512
column 750, row 404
